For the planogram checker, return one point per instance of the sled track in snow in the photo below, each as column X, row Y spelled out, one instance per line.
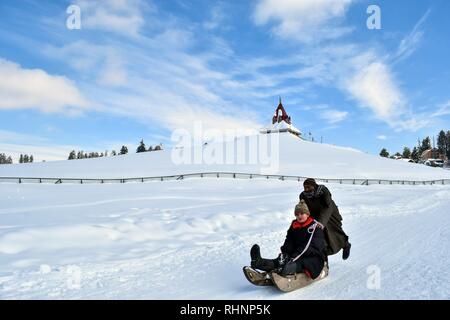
column 232, row 175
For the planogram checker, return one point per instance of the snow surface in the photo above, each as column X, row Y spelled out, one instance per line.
column 189, row 239
column 296, row 157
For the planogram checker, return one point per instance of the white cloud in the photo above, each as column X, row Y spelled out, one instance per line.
column 114, row 72
column 162, row 84
column 381, row 137
column 375, row 88
column 43, row 152
column 358, row 71
column 34, row 88
column 442, row 110
column 105, row 63
column 42, row 148
column 120, row 16
column 217, row 18
column 303, row 20
column 333, row 116
column 410, row 43
column 14, row 143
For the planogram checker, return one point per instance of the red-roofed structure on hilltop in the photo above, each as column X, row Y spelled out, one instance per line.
column 281, row 115
column 281, row 122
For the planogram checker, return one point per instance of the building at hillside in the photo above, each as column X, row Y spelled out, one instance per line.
column 431, row 154
column 281, row 122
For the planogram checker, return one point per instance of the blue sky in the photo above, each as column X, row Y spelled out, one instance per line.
column 141, row 69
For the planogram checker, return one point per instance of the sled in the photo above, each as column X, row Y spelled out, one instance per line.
column 258, row 278
column 296, row 281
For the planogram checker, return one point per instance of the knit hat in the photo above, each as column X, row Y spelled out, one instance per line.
column 310, row 182
column 301, row 207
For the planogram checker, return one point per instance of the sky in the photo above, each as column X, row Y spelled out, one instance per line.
column 140, row 69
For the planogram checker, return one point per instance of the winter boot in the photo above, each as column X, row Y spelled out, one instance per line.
column 346, row 251
column 259, row 263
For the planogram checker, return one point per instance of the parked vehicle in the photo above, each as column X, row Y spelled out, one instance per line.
column 435, row 163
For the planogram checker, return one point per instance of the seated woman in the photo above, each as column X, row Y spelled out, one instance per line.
column 303, row 250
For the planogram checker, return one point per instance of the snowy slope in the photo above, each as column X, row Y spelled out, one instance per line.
column 296, row 157
column 130, row 241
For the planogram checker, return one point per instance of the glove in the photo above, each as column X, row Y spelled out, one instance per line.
column 289, row 268
column 282, row 259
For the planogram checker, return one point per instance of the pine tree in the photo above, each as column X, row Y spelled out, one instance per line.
column 426, row 145
column 123, row 150
column 398, row 154
column 21, row 158
column 406, row 153
column 72, row 155
column 141, row 147
column 31, row 158
column 4, row 159
column 384, row 153
column 158, row 147
column 114, row 153
column 25, row 158
column 442, row 142
column 415, row 154
column 448, row 144
column 150, row 148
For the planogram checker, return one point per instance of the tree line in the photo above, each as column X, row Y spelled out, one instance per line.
column 73, row 155
column 5, row 159
column 24, row 158
column 443, row 148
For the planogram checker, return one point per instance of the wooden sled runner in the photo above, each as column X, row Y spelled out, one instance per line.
column 258, row 278
column 296, row 281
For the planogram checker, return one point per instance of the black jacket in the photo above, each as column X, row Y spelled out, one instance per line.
column 296, row 240
column 324, row 210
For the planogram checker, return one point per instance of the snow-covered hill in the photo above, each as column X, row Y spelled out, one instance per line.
column 136, row 240
column 293, row 157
